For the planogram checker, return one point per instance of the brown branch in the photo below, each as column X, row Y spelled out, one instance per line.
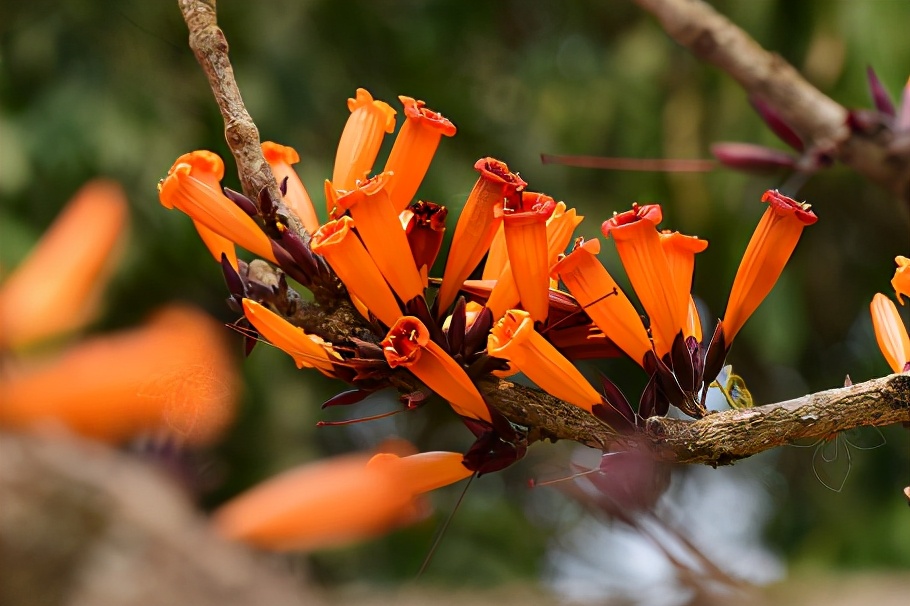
column 242, row 136
column 82, row 524
column 819, row 120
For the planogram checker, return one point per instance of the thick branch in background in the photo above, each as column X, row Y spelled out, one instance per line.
column 718, row 438
column 819, row 120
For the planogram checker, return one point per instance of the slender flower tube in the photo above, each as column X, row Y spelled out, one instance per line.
column 58, row 287
column 771, row 245
column 680, row 251
column 413, row 150
column 513, row 338
column 337, row 501
column 207, row 167
column 526, row 240
column 497, row 257
column 560, row 226
column 361, row 139
column 173, row 374
column 890, row 333
column 602, row 299
column 337, row 242
column 424, row 224
column 379, row 226
column 477, row 225
column 308, row 351
column 280, row 158
column 901, row 280
column 635, row 234
column 208, row 206
column 408, row 344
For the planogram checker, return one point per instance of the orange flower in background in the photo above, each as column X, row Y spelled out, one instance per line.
column 337, row 242
column 680, row 251
column 173, row 374
column 602, row 299
column 414, row 149
column 337, row 501
column 901, row 280
column 296, row 198
column 526, row 241
column 379, row 226
column 308, row 351
column 361, row 139
column 890, row 333
column 57, row 288
column 514, row 339
column 638, row 243
column 477, row 225
column 768, row 251
column 408, row 344
column 208, row 206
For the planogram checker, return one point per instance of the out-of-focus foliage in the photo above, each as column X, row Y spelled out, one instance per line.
column 90, row 87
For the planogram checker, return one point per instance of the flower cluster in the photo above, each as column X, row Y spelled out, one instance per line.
column 534, row 308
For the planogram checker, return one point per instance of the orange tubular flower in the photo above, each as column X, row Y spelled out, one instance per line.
column 890, row 333
column 638, row 245
column 479, row 220
column 173, row 374
column 424, row 224
column 337, row 242
column 207, row 167
column 602, row 299
column 337, row 501
column 280, row 158
column 413, row 150
column 408, row 344
column 208, row 206
column 513, row 338
column 497, row 257
column 361, row 139
column 680, row 251
column 379, row 226
column 771, row 245
column 901, row 280
column 308, row 351
column 526, row 241
column 57, row 288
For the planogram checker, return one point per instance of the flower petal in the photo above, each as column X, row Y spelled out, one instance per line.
column 361, row 139
column 890, row 332
column 345, row 253
column 602, row 299
column 637, row 241
column 901, row 280
column 514, row 339
column 771, row 245
column 413, row 150
column 526, row 240
column 408, row 344
column 379, row 226
column 280, row 158
column 477, row 225
column 308, row 351
column 58, row 287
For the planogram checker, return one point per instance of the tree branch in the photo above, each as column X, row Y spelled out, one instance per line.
column 819, row 120
column 717, row 439
column 211, row 49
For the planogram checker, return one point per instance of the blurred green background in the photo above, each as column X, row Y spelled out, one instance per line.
column 93, row 88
